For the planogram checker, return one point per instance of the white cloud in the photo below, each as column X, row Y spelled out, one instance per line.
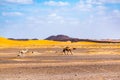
column 59, row 3
column 20, row 1
column 12, row 13
column 83, row 7
column 89, row 5
column 95, row 2
column 100, row 1
column 108, row 1
column 101, row 10
column 116, row 12
column 93, row 6
column 55, row 18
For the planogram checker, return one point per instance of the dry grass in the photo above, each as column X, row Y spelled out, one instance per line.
column 92, row 47
column 5, row 43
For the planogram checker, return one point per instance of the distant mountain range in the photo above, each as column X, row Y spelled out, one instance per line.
column 67, row 38
column 22, row 39
column 64, row 38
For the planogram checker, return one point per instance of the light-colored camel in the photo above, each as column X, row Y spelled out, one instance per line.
column 68, row 50
column 23, row 52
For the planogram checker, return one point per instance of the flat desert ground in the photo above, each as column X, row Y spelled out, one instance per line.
column 51, row 64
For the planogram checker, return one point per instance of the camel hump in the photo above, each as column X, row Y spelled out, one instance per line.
column 74, row 48
column 67, row 47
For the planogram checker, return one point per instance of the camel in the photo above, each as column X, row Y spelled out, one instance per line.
column 67, row 50
column 23, row 52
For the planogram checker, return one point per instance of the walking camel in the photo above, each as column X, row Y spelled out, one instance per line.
column 68, row 50
column 23, row 52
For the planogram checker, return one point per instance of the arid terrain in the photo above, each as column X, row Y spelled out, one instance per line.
column 46, row 61
column 86, row 63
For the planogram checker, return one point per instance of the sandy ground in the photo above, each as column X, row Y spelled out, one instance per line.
column 50, row 64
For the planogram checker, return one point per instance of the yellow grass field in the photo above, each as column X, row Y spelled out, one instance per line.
column 6, row 43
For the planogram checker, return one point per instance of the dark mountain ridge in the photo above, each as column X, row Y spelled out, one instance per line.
column 67, row 38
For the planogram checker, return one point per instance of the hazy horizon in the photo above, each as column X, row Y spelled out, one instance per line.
column 84, row 19
column 64, row 35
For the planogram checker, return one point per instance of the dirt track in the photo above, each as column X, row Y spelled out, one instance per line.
column 58, row 67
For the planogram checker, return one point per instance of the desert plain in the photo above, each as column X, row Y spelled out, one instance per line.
column 90, row 61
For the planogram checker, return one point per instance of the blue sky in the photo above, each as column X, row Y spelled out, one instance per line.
column 88, row 19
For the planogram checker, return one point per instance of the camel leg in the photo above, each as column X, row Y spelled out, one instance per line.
column 64, row 52
column 71, row 52
column 67, row 52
